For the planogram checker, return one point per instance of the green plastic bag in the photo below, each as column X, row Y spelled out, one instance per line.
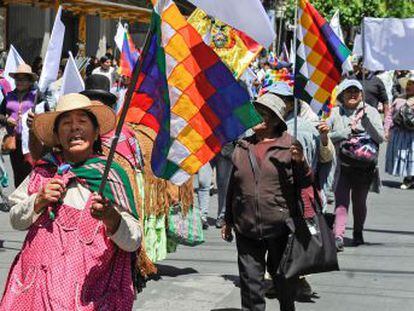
column 185, row 229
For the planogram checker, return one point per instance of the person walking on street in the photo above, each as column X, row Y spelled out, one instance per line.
column 223, row 170
column 268, row 170
column 77, row 252
column 106, row 70
column 399, row 131
column 202, row 184
column 13, row 107
column 374, row 89
column 357, row 132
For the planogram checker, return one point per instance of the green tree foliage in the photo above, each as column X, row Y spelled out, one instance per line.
column 352, row 11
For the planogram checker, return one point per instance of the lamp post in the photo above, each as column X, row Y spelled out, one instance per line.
column 280, row 7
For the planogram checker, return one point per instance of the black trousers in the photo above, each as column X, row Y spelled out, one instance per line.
column 21, row 168
column 252, row 264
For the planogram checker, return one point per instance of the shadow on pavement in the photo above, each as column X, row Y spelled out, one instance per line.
column 390, row 231
column 171, row 271
column 226, row 309
column 232, row 278
column 391, row 184
column 10, row 248
column 349, row 243
column 376, row 271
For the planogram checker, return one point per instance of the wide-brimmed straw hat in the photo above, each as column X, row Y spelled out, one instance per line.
column 26, row 70
column 43, row 124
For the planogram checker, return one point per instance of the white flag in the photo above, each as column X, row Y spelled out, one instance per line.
column 72, row 81
column 336, row 27
column 292, row 54
column 13, row 61
column 388, row 43
column 119, row 36
column 53, row 54
column 248, row 16
column 357, row 50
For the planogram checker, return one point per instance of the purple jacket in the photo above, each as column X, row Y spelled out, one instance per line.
column 10, row 108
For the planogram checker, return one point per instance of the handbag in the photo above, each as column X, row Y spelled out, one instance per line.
column 359, row 150
column 404, row 118
column 310, row 246
column 185, row 229
column 8, row 144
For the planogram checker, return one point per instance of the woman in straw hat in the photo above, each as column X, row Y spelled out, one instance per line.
column 15, row 104
column 399, row 129
column 77, row 253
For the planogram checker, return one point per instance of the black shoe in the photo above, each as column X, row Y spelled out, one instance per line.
column 272, row 293
column 4, row 207
column 358, row 239
column 205, row 223
column 339, row 243
column 220, row 223
column 304, row 291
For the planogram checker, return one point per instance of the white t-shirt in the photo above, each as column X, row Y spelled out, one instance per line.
column 110, row 73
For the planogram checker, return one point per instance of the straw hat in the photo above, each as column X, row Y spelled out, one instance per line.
column 24, row 69
column 275, row 104
column 404, row 81
column 43, row 124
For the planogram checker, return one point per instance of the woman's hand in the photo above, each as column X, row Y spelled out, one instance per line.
column 296, row 151
column 11, row 122
column 101, row 209
column 387, row 136
column 30, row 117
column 50, row 194
column 324, row 129
column 226, row 233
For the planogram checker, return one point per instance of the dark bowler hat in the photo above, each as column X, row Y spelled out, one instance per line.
column 97, row 88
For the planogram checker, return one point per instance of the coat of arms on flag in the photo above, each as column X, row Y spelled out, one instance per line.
column 235, row 48
column 187, row 96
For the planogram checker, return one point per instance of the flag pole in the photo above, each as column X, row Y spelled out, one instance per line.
column 128, row 97
column 295, row 105
column 363, row 62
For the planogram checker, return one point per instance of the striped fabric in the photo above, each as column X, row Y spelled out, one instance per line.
column 319, row 58
column 187, row 96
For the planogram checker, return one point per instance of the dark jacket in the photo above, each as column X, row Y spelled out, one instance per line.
column 258, row 203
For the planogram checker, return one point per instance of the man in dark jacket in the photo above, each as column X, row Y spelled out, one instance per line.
column 269, row 170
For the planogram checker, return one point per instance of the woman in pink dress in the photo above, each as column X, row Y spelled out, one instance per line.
column 77, row 254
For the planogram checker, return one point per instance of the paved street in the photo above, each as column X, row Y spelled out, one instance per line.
column 377, row 276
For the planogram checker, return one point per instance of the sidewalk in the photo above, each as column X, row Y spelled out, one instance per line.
column 376, row 276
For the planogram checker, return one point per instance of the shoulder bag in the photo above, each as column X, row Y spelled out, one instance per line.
column 311, row 244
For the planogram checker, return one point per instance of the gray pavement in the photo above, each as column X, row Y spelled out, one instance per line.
column 376, row 276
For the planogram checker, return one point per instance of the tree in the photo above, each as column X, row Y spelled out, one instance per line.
column 353, row 11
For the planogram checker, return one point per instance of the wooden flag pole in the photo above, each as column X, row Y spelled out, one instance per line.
column 295, row 105
column 127, row 101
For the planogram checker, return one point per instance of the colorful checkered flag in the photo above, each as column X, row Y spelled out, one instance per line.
column 319, row 57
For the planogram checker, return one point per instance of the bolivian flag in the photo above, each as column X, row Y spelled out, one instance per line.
column 235, row 48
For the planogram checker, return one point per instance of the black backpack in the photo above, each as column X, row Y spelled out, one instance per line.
column 404, row 118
